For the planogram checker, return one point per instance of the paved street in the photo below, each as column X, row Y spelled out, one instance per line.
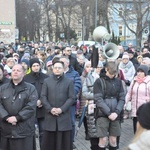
column 126, row 137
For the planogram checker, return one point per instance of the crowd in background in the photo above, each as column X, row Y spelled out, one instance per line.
column 130, row 62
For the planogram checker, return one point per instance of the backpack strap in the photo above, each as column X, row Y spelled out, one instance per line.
column 103, row 84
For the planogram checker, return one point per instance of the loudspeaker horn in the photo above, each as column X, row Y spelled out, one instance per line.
column 111, row 51
column 101, row 32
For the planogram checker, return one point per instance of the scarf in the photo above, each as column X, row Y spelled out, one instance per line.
column 126, row 66
column 140, row 80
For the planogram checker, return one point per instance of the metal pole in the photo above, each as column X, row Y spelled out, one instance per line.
column 95, row 13
column 83, row 29
column 125, row 23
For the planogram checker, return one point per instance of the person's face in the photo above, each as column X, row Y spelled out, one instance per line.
column 140, row 74
column 68, row 51
column 88, row 68
column 98, row 70
column 11, row 63
column 66, row 64
column 58, row 69
column 1, row 74
column 130, row 55
column 130, row 45
column 17, row 73
column 139, row 60
column 101, row 58
column 35, row 67
column 125, row 60
column 24, row 65
column 145, row 50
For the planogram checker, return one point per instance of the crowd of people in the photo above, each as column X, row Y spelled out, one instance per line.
column 41, row 83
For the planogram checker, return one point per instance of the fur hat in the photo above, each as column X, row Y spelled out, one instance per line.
column 34, row 60
column 143, row 68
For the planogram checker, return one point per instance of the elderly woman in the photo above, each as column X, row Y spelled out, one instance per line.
column 127, row 68
column 139, row 91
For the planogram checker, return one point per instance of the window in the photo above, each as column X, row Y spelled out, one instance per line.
column 79, row 34
column 79, row 21
column 120, row 11
column 120, row 30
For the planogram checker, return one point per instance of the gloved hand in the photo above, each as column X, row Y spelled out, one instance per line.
column 127, row 82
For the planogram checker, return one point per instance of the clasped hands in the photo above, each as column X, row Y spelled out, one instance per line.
column 56, row 111
column 12, row 120
column 113, row 116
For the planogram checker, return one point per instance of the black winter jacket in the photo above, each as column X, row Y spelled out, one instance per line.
column 19, row 101
column 37, row 79
column 112, row 99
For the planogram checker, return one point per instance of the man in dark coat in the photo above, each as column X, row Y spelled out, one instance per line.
column 36, row 78
column 73, row 61
column 17, row 110
column 57, row 97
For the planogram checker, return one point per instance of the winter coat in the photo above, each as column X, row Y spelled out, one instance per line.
column 37, row 79
column 74, row 63
column 19, row 101
column 74, row 76
column 59, row 93
column 87, row 89
column 111, row 99
column 138, row 93
column 128, row 70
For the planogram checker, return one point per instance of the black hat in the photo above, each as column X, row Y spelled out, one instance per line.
column 34, row 60
column 143, row 68
column 143, row 115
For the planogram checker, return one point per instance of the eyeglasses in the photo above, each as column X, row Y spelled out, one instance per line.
column 68, row 50
column 57, row 68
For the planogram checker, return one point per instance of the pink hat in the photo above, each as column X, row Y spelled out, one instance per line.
column 49, row 63
column 125, row 55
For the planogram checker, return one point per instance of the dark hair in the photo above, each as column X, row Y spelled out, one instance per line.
column 58, row 62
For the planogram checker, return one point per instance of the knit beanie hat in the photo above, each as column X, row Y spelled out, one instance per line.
column 125, row 55
column 143, row 115
column 26, row 61
column 143, row 68
column 34, row 60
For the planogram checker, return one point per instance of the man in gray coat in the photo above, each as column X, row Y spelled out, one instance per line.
column 17, row 110
column 57, row 97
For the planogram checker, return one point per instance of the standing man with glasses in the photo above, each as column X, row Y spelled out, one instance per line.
column 73, row 61
column 57, row 97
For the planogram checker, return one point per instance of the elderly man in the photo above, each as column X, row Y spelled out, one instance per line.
column 17, row 110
